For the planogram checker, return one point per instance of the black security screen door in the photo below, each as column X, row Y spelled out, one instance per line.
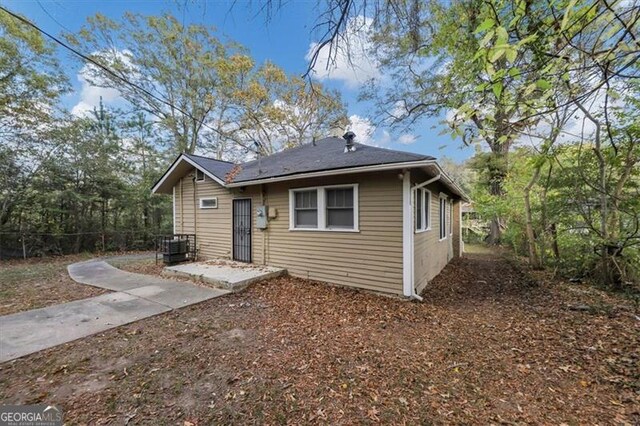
column 242, row 230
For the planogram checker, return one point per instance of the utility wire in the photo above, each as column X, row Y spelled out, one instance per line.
column 105, row 68
column 51, row 16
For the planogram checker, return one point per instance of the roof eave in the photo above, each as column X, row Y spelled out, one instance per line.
column 452, row 184
column 174, row 165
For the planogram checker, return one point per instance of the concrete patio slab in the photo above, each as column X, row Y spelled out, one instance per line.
column 137, row 296
column 226, row 274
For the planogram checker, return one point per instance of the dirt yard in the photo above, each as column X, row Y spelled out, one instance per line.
column 488, row 345
column 37, row 283
column 141, row 266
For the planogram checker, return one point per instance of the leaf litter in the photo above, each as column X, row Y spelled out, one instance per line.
column 490, row 344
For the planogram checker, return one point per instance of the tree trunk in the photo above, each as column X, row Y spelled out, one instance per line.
column 534, row 260
column 605, row 259
column 497, row 175
column 554, row 241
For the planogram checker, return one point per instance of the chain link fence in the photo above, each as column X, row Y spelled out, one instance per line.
column 18, row 244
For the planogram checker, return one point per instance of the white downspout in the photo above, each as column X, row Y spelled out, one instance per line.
column 408, row 289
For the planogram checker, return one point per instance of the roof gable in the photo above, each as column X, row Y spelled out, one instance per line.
column 217, row 170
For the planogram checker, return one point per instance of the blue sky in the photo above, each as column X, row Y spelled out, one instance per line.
column 285, row 40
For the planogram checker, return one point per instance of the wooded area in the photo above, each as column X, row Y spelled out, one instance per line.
column 75, row 182
column 548, row 92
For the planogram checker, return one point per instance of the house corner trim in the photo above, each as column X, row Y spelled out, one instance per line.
column 407, row 236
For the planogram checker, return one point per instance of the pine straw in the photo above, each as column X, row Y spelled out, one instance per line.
column 489, row 345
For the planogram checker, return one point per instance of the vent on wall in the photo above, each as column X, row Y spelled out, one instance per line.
column 209, row 203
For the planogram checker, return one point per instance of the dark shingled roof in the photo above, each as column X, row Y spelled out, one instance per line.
column 325, row 154
column 218, row 168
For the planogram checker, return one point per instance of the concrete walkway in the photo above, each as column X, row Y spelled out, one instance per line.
column 135, row 297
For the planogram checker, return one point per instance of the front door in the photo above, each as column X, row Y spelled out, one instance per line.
column 242, row 230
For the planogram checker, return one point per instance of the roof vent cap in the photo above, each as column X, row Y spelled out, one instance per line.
column 349, row 137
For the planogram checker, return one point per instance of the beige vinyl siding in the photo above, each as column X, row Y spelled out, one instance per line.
column 369, row 259
column 431, row 254
column 213, row 227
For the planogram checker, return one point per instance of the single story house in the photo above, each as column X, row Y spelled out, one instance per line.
column 333, row 210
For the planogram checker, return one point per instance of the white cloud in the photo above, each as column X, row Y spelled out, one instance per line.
column 363, row 128
column 367, row 133
column 89, row 94
column 349, row 60
column 407, row 139
column 384, row 139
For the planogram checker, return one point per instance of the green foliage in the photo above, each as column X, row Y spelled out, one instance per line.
column 30, row 87
column 30, row 77
column 220, row 100
column 566, row 209
column 70, row 180
column 96, row 182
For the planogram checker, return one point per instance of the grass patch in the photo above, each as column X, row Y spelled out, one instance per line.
column 37, row 283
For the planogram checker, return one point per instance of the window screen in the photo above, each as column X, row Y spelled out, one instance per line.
column 427, row 209
column 419, row 209
column 443, row 218
column 340, row 208
column 422, row 209
column 306, row 209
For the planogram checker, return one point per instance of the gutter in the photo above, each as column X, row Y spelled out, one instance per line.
column 427, row 182
column 450, row 181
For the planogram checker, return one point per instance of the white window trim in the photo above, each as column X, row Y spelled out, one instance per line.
column 204, row 176
column 426, row 207
column 440, row 198
column 207, row 199
column 322, row 208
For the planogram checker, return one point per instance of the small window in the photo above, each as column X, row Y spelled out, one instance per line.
column 306, row 209
column 422, row 209
column 199, row 175
column 209, row 203
column 340, row 208
column 443, row 218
